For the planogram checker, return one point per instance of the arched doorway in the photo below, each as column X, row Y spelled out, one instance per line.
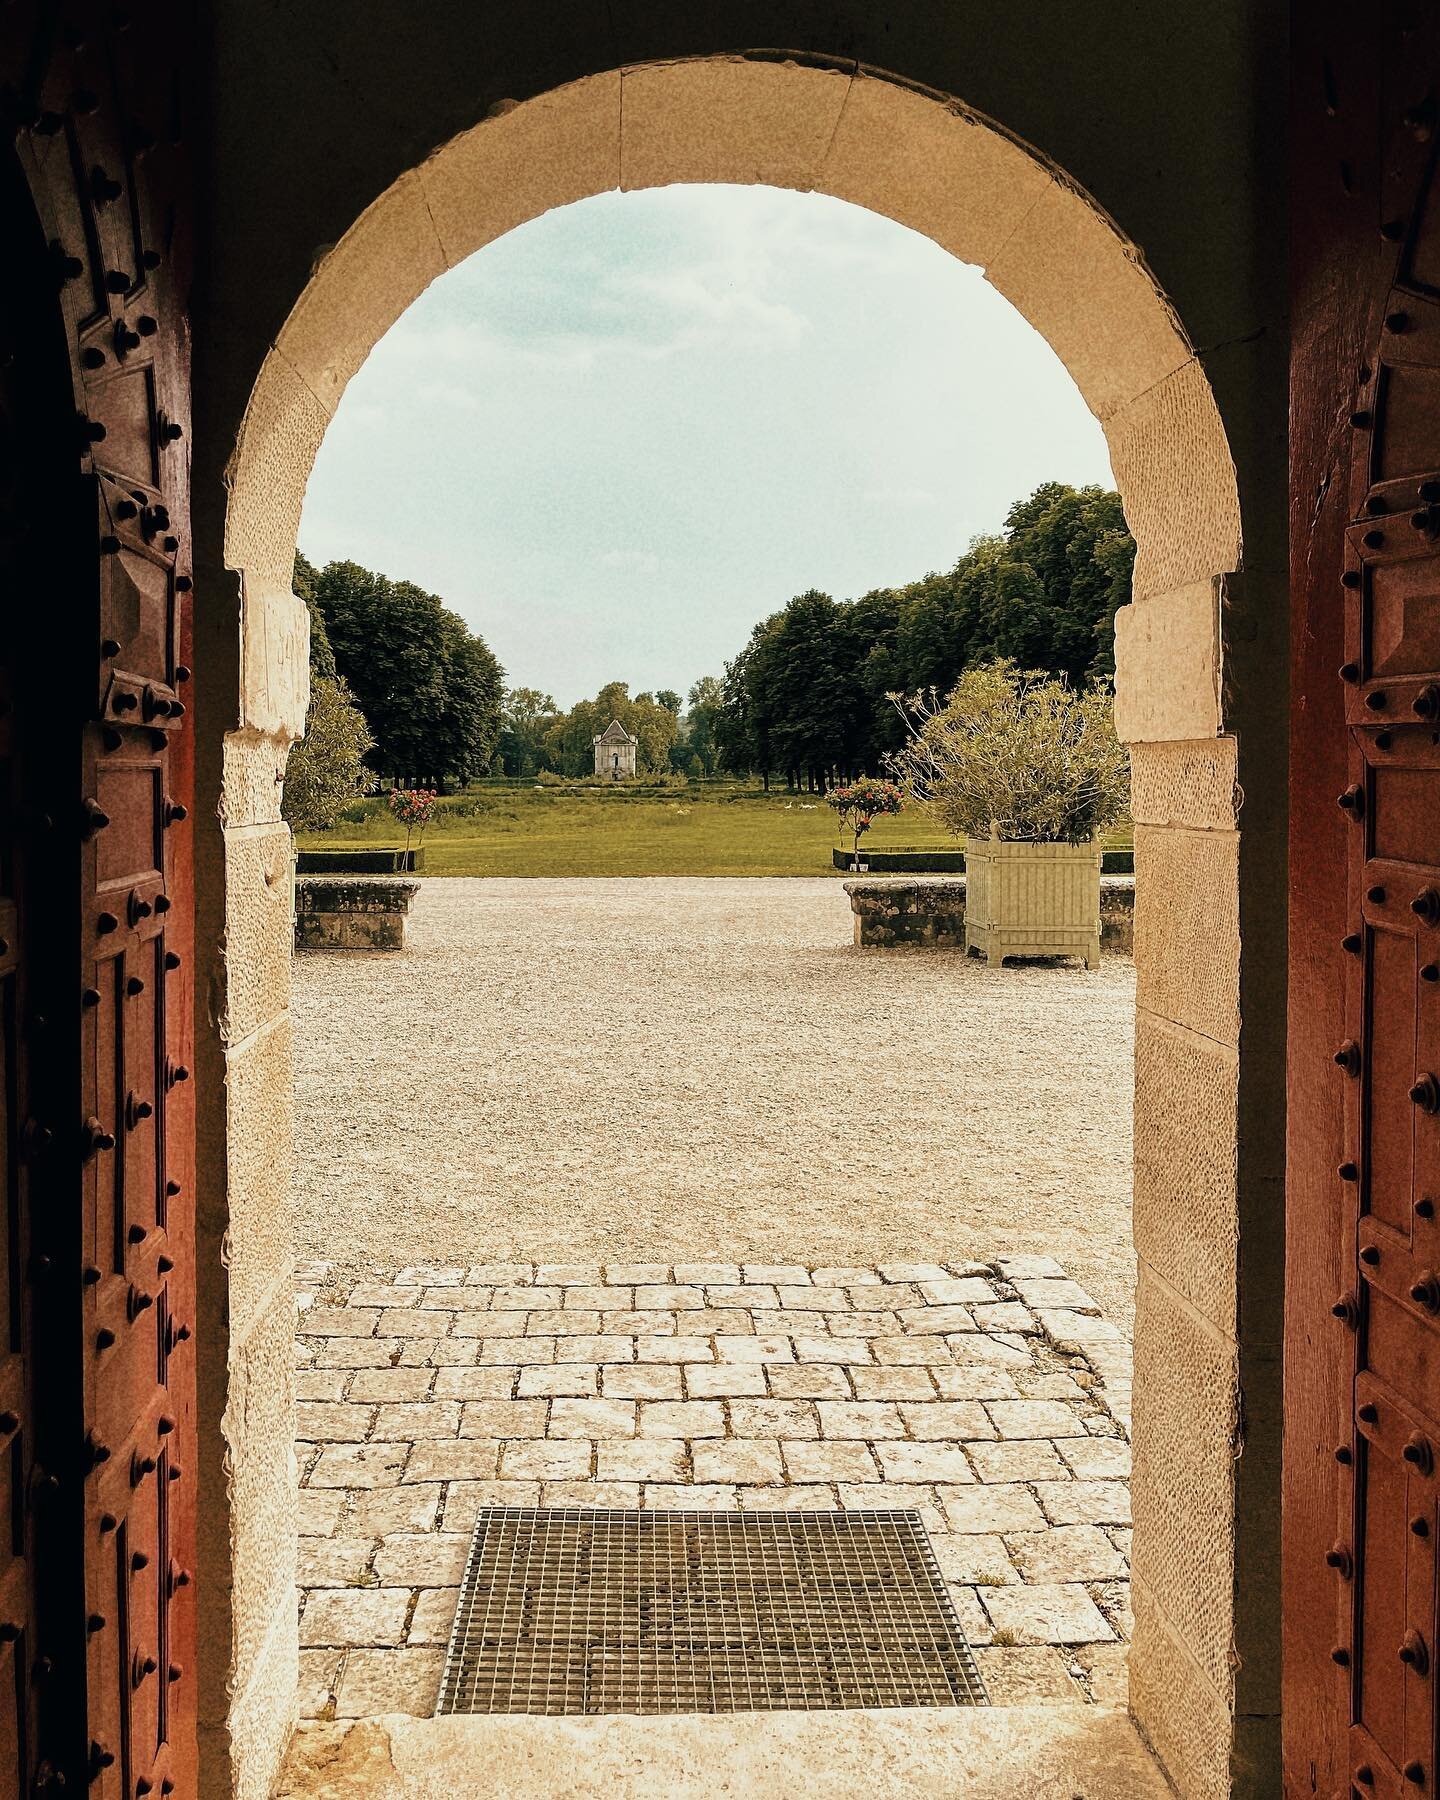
column 930, row 164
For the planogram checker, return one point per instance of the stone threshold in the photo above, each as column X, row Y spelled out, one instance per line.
column 1038, row 1752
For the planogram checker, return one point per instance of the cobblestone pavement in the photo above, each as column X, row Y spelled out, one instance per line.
column 991, row 1396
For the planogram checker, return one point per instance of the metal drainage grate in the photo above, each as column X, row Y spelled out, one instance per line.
column 603, row 1611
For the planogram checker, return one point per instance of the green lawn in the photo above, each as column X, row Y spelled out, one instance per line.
column 713, row 831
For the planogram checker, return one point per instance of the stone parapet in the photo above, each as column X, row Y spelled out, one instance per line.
column 348, row 912
column 931, row 911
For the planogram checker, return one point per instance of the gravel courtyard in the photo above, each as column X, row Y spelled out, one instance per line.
column 675, row 1069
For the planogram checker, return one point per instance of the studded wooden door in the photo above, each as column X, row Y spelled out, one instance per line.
column 33, row 391
column 106, row 902
column 1363, row 1332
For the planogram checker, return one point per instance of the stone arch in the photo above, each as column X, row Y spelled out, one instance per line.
column 923, row 160
column 927, row 162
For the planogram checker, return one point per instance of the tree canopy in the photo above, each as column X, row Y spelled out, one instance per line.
column 322, row 657
column 568, row 743
column 809, row 695
column 526, row 716
column 327, row 767
column 429, row 687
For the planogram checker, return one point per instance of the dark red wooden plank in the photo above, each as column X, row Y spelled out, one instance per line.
column 105, row 776
column 1362, row 1342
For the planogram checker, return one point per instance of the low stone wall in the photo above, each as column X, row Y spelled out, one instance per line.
column 931, row 911
column 348, row 912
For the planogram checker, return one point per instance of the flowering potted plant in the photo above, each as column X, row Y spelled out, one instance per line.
column 859, row 805
column 413, row 808
column 1030, row 772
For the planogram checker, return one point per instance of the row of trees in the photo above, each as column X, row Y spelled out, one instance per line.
column 399, row 685
column 402, row 681
column 808, row 696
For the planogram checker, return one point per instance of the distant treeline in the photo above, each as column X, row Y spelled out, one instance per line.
column 806, row 700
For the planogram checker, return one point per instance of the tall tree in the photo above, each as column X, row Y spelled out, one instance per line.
column 657, row 727
column 430, row 689
column 469, row 727
column 802, row 688
column 741, row 738
column 326, row 769
column 305, row 582
column 525, row 716
column 703, row 708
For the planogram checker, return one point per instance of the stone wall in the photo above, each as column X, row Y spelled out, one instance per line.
column 350, row 913
column 932, row 912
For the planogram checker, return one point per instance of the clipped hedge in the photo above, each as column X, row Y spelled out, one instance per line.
column 359, row 862
column 926, row 861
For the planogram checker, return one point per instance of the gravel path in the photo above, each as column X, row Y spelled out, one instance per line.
column 679, row 1069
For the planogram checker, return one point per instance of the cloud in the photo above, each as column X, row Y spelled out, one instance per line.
column 470, row 347
column 709, row 269
column 711, row 307
column 746, row 391
column 901, row 496
column 636, row 562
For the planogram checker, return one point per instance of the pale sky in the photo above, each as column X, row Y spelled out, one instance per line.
column 621, row 434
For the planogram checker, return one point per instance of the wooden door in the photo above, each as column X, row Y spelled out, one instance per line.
column 98, row 647
column 1362, row 1527
column 34, row 384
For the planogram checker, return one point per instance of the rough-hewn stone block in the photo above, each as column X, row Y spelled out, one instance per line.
column 257, row 928
column 1187, row 1722
column 1185, row 784
column 253, row 780
column 259, row 1431
column 934, row 168
column 258, row 1110
column 360, row 288
column 523, row 161
column 1167, row 666
column 729, row 120
column 1187, row 1225
column 1183, row 1489
column 1172, row 464
column 1187, row 928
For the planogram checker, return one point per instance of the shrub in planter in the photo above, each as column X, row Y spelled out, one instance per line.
column 326, row 770
column 1029, row 771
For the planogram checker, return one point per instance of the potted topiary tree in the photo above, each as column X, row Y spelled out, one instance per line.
column 413, row 808
column 858, row 805
column 1030, row 772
